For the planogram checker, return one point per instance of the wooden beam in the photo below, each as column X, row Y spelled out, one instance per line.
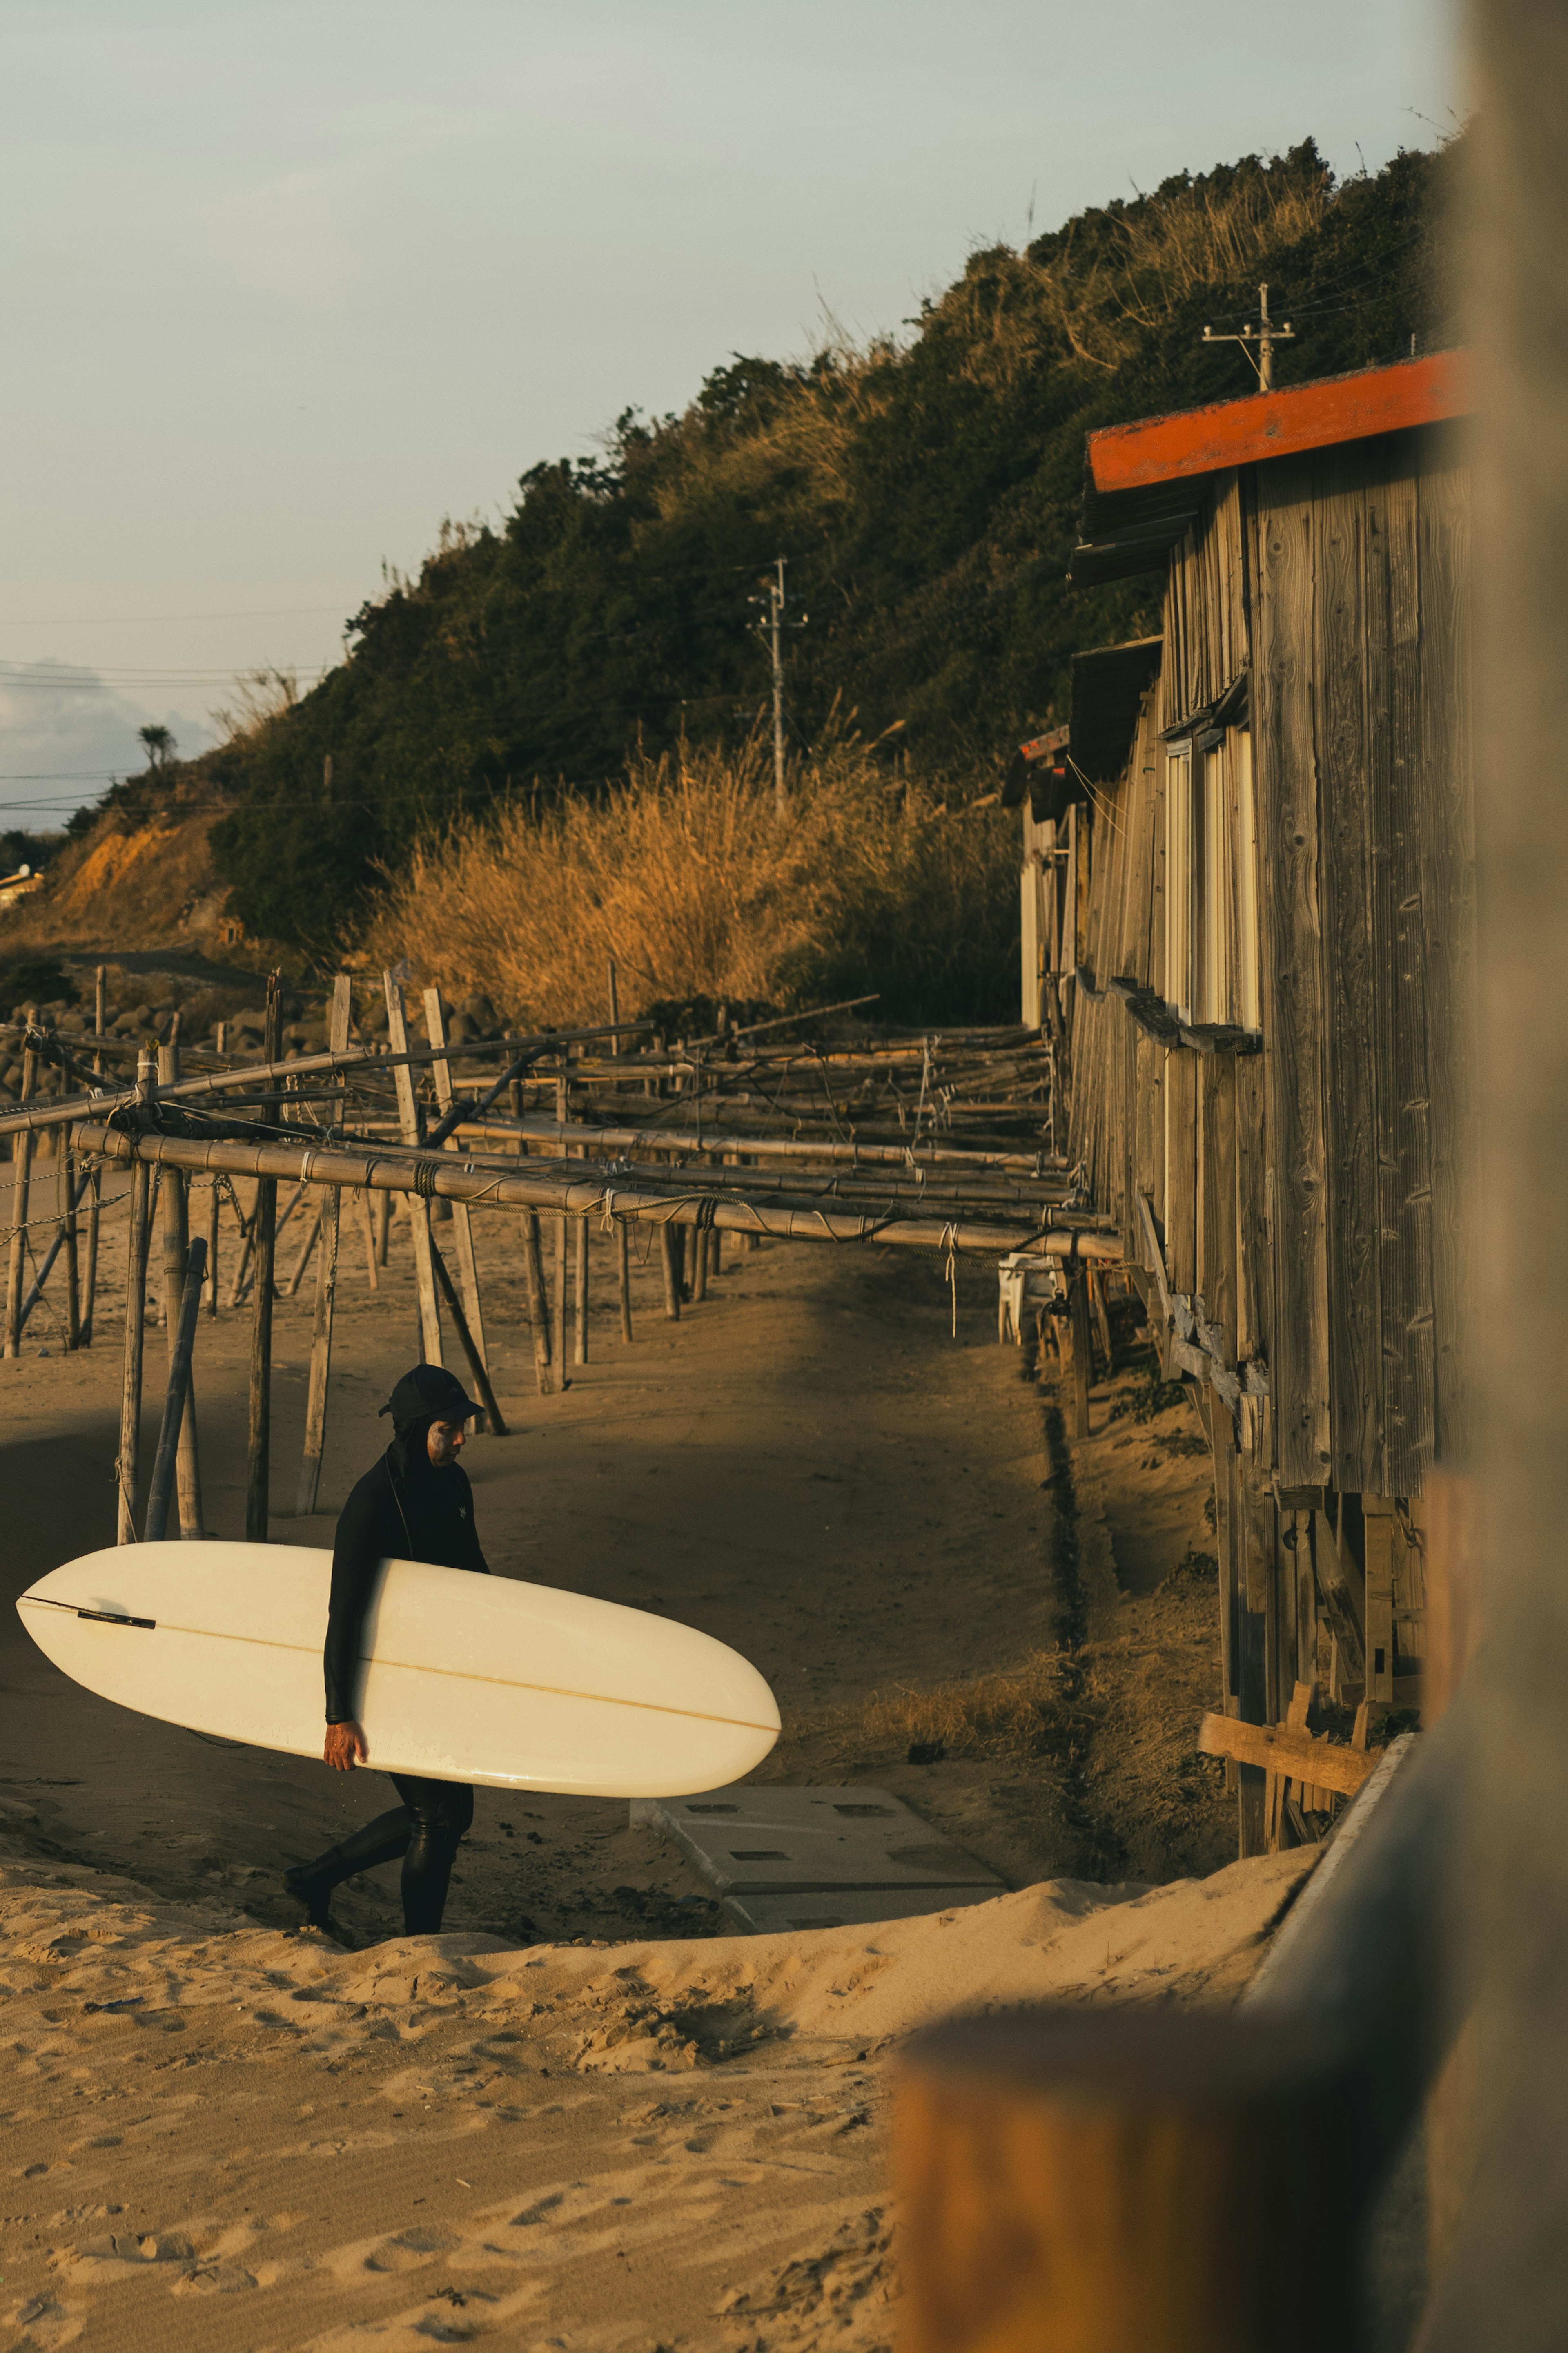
column 1275, row 1748
column 326, row 1291
column 264, row 1242
column 462, row 1216
column 418, row 1205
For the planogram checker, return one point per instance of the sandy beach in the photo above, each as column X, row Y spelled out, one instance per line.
column 589, row 2113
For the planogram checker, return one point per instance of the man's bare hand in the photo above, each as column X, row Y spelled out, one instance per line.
column 346, row 1747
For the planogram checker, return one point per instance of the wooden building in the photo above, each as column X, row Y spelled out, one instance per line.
column 1271, row 923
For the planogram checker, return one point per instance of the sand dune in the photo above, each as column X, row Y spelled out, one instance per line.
column 220, row 2135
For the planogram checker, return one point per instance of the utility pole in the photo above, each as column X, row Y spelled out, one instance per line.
column 771, row 624
column 1262, row 337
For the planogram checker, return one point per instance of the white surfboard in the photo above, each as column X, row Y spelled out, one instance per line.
column 465, row 1679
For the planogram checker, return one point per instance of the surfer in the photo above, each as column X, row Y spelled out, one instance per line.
column 415, row 1504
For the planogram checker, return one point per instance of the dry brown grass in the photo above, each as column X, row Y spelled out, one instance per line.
column 1034, row 1711
column 686, row 876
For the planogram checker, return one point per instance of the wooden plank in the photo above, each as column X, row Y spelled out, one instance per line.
column 538, row 1304
column 1275, row 1748
column 1335, row 1592
column 1231, row 1555
column 1286, row 785
column 1447, row 854
column 1379, row 1533
column 418, row 1208
column 1254, row 1262
column 1352, row 982
column 462, row 1216
column 309, row 1490
column 1217, row 1272
column 1181, row 1171
column 1400, row 824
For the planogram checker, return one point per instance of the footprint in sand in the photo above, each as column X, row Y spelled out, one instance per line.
column 409, row 2249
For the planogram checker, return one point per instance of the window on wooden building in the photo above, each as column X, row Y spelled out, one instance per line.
column 1211, row 880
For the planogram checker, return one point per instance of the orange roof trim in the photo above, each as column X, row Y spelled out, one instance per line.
column 1277, row 424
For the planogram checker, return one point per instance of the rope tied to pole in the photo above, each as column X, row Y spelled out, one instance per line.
column 949, row 1244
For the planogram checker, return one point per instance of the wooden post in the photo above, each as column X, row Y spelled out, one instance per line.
column 537, row 1302
column 671, row 1264
column 1107, row 2180
column 178, row 1398
column 177, row 1253
column 615, row 1009
column 580, row 1294
column 363, row 1199
column 1379, row 1526
column 562, row 1101
column 462, row 1222
column 466, row 1341
column 699, row 1262
column 382, row 1226
column 328, row 1222
column 1079, row 1346
column 264, row 1241
column 1101, row 1320
column 623, row 1276
column 68, row 1178
column 419, row 1207
column 90, row 1288
column 126, row 1461
column 21, row 1188
column 302, row 1258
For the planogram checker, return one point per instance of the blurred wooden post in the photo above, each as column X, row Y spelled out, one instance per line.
column 214, row 1205
column 178, row 1398
column 671, row 1264
column 264, row 1243
column 698, row 1245
column 1122, row 2181
column 303, row 1256
column 580, row 1294
column 462, row 1221
column 21, row 1188
column 418, row 1205
column 615, row 1010
column 363, row 1199
column 176, row 1254
column 326, row 1288
column 537, row 1302
column 382, row 1226
column 623, row 1276
column 127, row 1459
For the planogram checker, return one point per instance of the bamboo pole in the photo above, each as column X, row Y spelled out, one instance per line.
column 559, row 1193
column 418, row 1205
column 538, row 1304
column 264, row 1237
column 328, row 1224
column 671, row 1265
column 176, row 1255
column 466, row 1341
column 178, row 1400
column 462, row 1225
column 21, row 1193
column 126, row 1461
column 623, row 1276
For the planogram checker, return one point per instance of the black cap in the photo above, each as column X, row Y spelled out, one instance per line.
column 429, row 1393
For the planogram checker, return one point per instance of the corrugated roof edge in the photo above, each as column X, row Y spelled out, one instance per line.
column 1315, row 415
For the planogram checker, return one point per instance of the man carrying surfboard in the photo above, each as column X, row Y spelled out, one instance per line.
column 415, row 1504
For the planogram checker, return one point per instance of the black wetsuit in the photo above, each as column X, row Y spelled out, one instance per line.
column 404, row 1509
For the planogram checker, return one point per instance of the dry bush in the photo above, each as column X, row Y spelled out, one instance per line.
column 261, row 697
column 687, row 877
column 1033, row 1712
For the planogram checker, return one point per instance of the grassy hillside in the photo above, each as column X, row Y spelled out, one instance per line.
column 924, row 490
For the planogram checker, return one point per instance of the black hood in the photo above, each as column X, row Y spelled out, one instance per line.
column 429, row 1393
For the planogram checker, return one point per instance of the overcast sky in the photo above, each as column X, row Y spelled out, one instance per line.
column 287, row 284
